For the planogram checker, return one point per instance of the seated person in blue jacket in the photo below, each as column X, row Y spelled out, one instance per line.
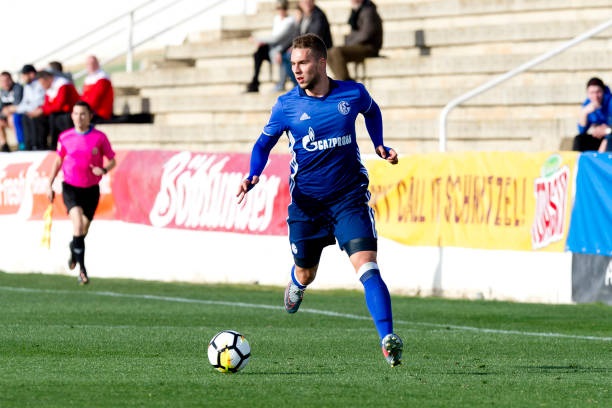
column 595, row 118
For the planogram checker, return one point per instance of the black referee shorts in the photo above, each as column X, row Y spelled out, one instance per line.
column 85, row 197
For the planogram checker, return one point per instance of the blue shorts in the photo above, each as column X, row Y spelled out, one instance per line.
column 313, row 227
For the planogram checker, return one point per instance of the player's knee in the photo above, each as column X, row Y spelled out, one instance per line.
column 306, row 275
column 360, row 244
column 305, row 262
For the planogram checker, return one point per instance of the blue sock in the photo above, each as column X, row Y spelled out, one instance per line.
column 18, row 127
column 377, row 298
column 295, row 280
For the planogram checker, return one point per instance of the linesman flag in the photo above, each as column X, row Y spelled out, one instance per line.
column 45, row 241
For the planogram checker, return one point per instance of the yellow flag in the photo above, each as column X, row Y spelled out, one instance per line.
column 45, row 242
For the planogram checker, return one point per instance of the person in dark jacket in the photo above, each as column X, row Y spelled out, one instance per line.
column 314, row 21
column 364, row 40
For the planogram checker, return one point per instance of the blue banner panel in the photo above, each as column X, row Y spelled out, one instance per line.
column 590, row 229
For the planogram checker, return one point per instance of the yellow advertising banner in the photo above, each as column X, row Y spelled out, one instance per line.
column 488, row 200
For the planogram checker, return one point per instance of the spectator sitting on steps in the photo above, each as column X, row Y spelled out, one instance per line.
column 10, row 95
column 58, row 70
column 269, row 49
column 365, row 39
column 60, row 97
column 98, row 90
column 34, row 129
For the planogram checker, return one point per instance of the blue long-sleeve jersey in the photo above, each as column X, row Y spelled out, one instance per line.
column 601, row 115
column 325, row 158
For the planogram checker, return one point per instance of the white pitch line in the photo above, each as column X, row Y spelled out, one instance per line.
column 306, row 310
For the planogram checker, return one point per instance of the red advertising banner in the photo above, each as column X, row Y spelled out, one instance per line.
column 191, row 190
column 166, row 189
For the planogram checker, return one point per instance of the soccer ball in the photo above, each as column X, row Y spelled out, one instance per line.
column 229, row 351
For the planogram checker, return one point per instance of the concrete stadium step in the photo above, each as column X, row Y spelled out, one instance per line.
column 256, row 120
column 244, row 61
column 510, row 129
column 572, row 86
column 499, row 40
column 485, row 64
column 404, row 39
column 401, row 135
column 405, row 10
column 582, row 64
column 224, row 49
column 146, row 136
column 504, row 17
column 487, row 105
column 509, row 32
column 480, row 113
column 439, row 14
column 476, row 33
column 405, row 97
column 375, row 85
column 179, row 77
column 596, row 44
column 337, row 14
column 543, row 20
column 504, row 95
column 375, row 67
column 394, row 130
column 438, row 8
column 470, row 81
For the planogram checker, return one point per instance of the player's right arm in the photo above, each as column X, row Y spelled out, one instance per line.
column 259, row 157
column 57, row 165
column 262, row 148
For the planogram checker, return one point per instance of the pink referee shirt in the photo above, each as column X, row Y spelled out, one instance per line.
column 81, row 151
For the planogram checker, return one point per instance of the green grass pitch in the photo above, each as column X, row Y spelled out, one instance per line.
column 125, row 343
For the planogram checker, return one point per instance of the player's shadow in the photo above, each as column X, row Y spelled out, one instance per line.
column 285, row 373
column 565, row 369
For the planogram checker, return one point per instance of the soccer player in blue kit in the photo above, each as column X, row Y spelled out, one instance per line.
column 328, row 182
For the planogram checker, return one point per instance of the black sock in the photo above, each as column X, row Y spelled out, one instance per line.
column 78, row 249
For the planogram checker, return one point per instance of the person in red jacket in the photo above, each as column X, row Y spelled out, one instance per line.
column 60, row 97
column 98, row 90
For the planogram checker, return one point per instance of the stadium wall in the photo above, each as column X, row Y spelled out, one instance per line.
column 117, row 249
column 171, row 216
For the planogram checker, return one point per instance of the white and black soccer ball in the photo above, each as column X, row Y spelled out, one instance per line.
column 229, row 351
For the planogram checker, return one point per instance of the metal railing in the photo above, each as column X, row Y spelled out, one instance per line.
column 496, row 81
column 88, row 40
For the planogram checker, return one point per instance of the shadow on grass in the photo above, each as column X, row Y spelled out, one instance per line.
column 248, row 372
column 570, row 368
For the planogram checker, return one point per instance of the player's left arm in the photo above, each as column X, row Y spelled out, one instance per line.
column 100, row 171
column 374, row 124
column 109, row 153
